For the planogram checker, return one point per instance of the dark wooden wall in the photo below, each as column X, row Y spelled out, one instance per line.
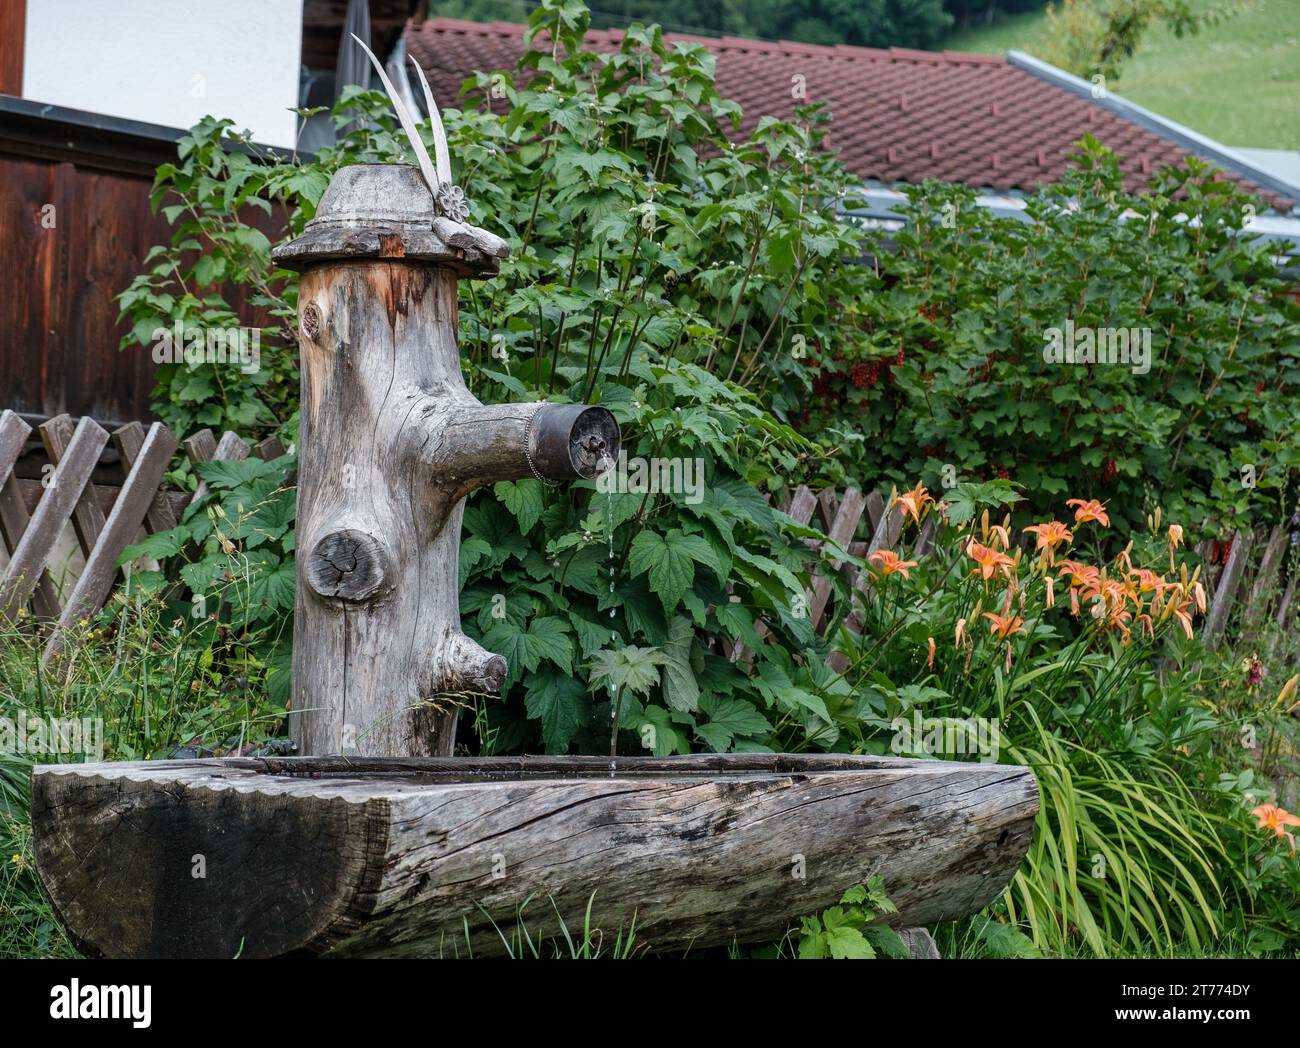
column 59, row 331
column 13, row 37
column 59, row 327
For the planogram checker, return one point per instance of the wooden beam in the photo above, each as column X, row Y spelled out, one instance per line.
column 13, row 41
column 30, row 492
column 96, row 580
column 53, row 511
column 841, row 533
column 875, row 509
column 412, row 858
column 888, row 528
column 14, row 512
column 129, row 440
column 1217, row 619
column 1265, row 578
column 87, row 517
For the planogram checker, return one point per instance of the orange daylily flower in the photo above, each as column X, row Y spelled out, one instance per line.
column 1148, row 581
column 889, row 562
column 1080, row 574
column 989, row 560
column 1111, row 592
column 1048, row 536
column 1180, row 607
column 1175, row 540
column 1114, row 617
column 1003, row 626
column 929, row 663
column 1088, row 510
column 1271, row 817
column 960, row 635
column 913, row 502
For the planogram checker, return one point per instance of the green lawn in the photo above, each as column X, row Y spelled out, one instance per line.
column 1238, row 82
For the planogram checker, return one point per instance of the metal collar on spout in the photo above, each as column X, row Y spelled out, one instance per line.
column 572, row 441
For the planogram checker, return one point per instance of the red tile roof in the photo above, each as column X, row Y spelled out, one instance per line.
column 899, row 115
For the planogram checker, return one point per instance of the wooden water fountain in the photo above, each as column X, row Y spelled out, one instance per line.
column 377, row 842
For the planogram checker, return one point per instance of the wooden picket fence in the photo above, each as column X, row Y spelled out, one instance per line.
column 1249, row 567
column 105, row 518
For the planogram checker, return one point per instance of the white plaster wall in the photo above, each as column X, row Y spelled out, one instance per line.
column 169, row 61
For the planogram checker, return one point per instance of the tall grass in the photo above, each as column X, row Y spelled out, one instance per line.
column 155, row 680
column 1125, row 864
column 28, row 926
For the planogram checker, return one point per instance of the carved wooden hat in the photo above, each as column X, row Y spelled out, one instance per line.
column 398, row 210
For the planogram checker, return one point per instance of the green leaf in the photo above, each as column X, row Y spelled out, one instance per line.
column 681, row 690
column 848, row 944
column 736, row 619
column 307, row 183
column 201, row 576
column 1003, row 940
column 548, row 638
column 592, row 636
column 472, row 550
column 524, row 649
column 887, row 941
column 523, row 498
column 561, row 703
column 228, row 473
column 735, row 716
column 627, row 667
column 273, row 591
column 157, row 547
column 663, row 735
column 670, row 560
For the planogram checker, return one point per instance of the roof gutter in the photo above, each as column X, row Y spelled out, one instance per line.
column 1193, row 141
column 29, row 127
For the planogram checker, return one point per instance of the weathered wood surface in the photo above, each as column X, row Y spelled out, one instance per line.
column 105, row 517
column 1226, row 590
column 33, row 551
column 15, row 514
column 124, row 520
column 371, row 857
column 843, row 523
column 88, row 517
column 391, row 443
column 129, row 440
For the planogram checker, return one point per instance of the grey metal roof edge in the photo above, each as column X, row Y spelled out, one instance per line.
column 31, row 109
column 1193, row 141
column 878, row 202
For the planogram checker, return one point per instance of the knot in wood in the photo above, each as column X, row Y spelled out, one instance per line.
column 311, row 320
column 347, row 565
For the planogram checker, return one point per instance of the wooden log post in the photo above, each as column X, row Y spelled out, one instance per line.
column 391, row 442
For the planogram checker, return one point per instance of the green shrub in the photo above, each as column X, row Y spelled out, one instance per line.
column 656, row 269
column 933, row 365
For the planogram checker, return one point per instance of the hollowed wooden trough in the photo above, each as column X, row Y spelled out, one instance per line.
column 441, row 856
